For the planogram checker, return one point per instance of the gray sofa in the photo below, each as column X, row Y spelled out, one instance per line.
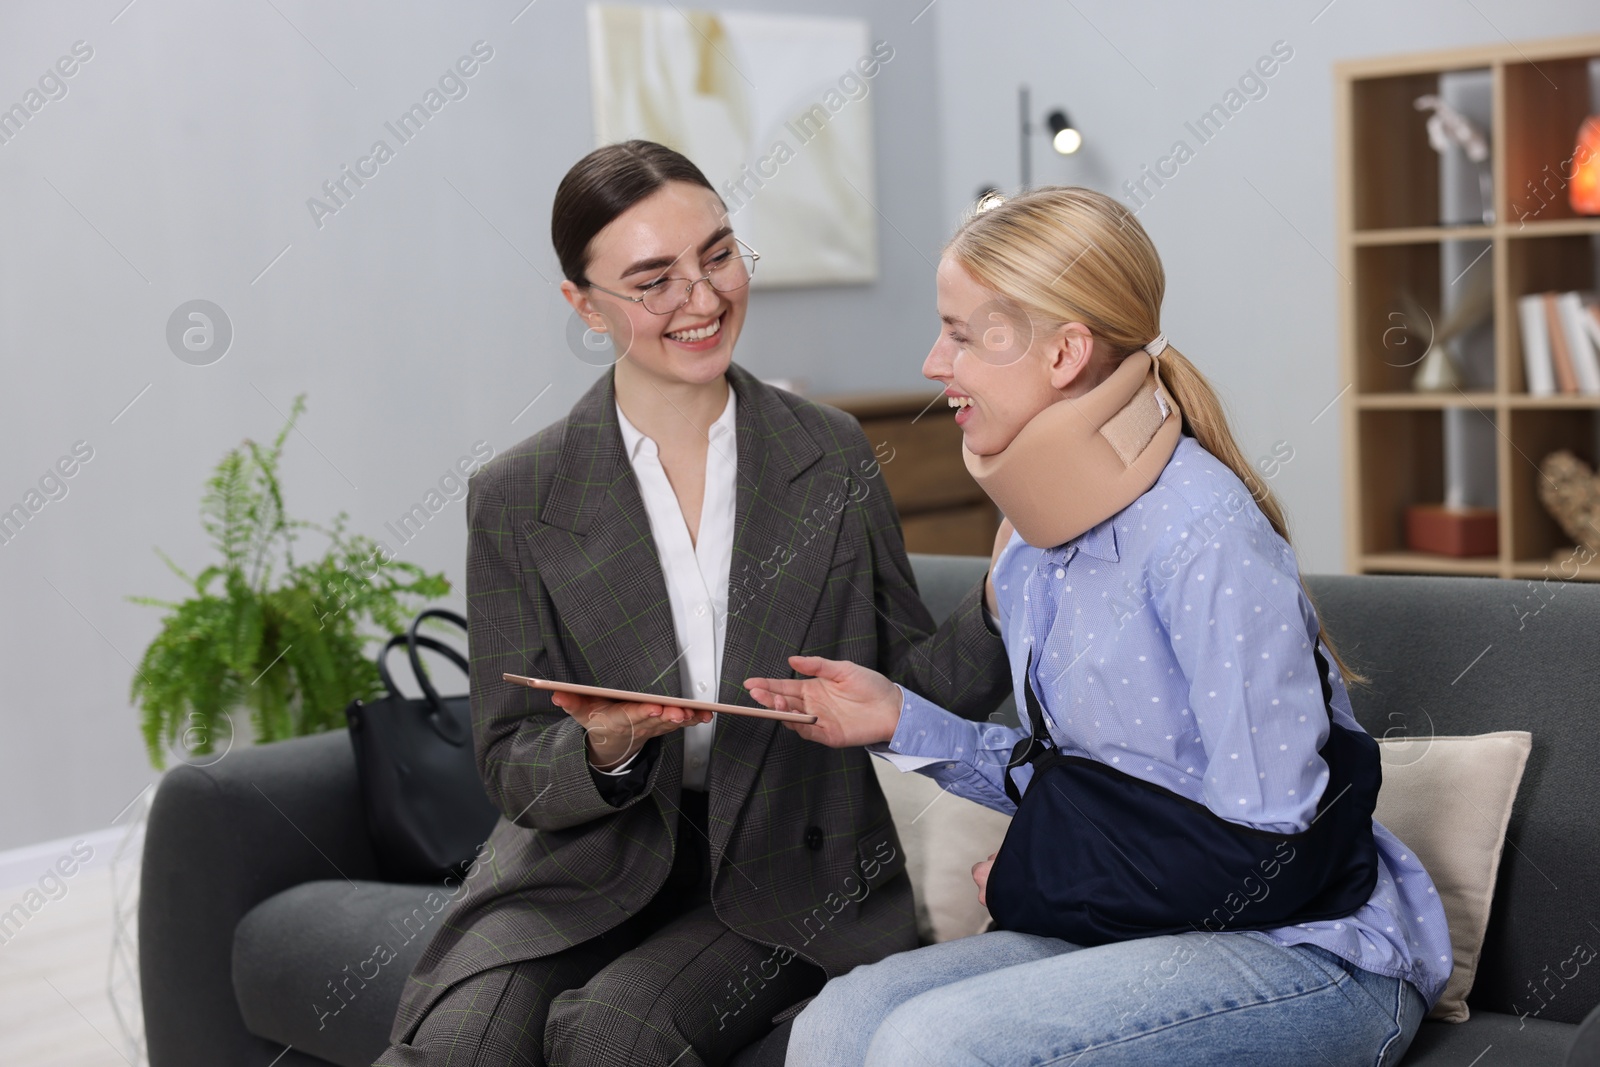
column 261, row 904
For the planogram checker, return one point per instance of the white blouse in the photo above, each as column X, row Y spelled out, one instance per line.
column 696, row 571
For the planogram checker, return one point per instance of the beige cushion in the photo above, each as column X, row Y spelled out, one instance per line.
column 943, row 835
column 1449, row 799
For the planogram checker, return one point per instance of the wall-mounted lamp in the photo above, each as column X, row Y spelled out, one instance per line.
column 1064, row 137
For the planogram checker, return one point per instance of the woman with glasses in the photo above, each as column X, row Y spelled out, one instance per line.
column 664, row 882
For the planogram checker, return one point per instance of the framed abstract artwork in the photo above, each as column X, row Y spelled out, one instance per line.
column 775, row 109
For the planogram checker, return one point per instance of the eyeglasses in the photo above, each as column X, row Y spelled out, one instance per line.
column 727, row 274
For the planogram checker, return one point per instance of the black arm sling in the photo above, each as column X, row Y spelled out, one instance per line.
column 1094, row 855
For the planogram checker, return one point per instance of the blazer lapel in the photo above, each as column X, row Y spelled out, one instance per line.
column 597, row 559
column 785, row 527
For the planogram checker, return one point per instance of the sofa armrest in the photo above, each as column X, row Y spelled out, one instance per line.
column 1585, row 1050
column 220, row 840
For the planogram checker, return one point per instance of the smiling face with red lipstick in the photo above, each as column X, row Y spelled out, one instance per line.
column 638, row 267
column 999, row 367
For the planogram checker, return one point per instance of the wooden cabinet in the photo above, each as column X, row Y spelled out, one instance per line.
column 918, row 445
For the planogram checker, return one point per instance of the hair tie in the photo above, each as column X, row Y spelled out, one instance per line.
column 988, row 201
column 1157, row 346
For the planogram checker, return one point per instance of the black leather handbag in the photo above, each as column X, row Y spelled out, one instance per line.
column 1094, row 855
column 426, row 809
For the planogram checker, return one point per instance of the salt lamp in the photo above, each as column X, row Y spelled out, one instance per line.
column 1584, row 191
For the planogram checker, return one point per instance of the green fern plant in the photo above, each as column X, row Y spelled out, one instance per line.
column 284, row 640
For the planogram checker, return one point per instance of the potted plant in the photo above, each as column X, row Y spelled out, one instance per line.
column 261, row 631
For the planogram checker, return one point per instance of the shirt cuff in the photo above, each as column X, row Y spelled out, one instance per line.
column 902, row 749
column 620, row 769
column 992, row 619
column 618, row 787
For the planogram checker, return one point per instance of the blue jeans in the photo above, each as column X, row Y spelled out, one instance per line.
column 1002, row 999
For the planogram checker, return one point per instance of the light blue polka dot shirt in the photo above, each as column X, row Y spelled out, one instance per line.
column 1173, row 641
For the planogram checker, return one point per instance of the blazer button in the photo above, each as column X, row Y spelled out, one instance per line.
column 814, row 838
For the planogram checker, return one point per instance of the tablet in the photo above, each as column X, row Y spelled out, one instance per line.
column 656, row 698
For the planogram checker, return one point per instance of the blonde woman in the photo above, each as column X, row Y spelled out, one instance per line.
column 1193, row 874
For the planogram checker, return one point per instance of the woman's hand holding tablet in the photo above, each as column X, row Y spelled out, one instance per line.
column 620, row 721
column 617, row 729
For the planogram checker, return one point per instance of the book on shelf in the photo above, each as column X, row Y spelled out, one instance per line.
column 1585, row 360
column 1560, row 343
column 1560, row 351
column 1536, row 365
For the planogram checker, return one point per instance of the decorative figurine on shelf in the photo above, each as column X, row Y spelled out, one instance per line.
column 1584, row 191
column 1570, row 492
column 1449, row 128
column 1438, row 368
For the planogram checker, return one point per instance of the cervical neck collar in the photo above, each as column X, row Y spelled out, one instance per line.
column 1085, row 458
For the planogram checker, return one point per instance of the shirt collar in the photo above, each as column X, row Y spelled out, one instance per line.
column 634, row 442
column 1100, row 541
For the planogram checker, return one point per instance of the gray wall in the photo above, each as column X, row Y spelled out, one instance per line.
column 177, row 166
column 1246, row 227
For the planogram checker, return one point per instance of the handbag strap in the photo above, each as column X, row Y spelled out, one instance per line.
column 425, row 641
column 383, row 664
column 414, row 639
column 442, row 723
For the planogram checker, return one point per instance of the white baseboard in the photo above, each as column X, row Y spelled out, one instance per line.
column 26, row 865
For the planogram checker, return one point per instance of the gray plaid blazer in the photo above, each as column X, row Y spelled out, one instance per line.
column 563, row 581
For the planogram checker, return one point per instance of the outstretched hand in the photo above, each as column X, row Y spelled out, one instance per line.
column 854, row 705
